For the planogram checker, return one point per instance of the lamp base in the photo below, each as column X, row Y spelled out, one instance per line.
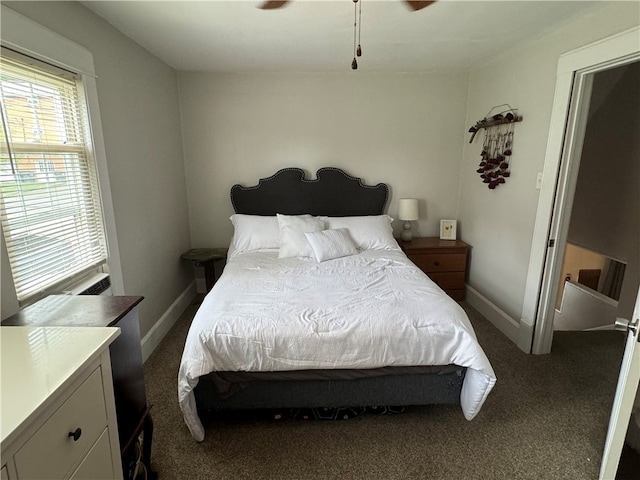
column 406, row 234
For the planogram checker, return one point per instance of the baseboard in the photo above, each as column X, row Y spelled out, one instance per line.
column 492, row 312
column 153, row 338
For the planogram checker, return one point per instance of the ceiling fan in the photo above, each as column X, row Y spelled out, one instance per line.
column 275, row 4
column 357, row 49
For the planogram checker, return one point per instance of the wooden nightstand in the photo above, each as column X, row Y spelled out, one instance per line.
column 444, row 261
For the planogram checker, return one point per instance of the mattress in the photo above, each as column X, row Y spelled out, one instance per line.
column 366, row 311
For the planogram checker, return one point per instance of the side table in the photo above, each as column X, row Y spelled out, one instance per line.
column 207, row 258
column 444, row 261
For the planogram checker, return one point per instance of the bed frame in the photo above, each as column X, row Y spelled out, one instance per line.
column 333, row 193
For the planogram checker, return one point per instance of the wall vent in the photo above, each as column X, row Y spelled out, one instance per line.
column 98, row 284
column 97, row 288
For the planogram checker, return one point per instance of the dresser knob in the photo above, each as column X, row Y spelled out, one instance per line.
column 76, row 434
column 436, row 263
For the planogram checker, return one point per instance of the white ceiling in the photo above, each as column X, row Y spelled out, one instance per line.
column 317, row 35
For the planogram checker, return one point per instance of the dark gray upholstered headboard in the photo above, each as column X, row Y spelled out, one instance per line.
column 333, row 193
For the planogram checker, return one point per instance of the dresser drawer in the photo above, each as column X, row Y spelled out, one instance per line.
column 97, row 464
column 438, row 262
column 449, row 280
column 51, row 453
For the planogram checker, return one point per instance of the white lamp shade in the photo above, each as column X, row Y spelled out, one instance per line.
column 408, row 209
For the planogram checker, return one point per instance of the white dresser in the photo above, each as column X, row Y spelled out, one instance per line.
column 58, row 417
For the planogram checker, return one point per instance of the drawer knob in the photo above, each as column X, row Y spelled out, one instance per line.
column 436, row 263
column 76, row 434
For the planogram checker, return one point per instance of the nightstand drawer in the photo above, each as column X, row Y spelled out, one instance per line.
column 448, row 280
column 51, row 452
column 456, row 294
column 437, row 262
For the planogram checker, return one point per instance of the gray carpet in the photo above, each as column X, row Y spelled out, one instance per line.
column 545, row 419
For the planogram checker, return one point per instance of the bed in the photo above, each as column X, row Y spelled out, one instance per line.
column 319, row 307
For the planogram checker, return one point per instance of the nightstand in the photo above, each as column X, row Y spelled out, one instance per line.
column 444, row 261
column 207, row 258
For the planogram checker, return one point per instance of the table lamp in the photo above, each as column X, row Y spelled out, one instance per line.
column 408, row 212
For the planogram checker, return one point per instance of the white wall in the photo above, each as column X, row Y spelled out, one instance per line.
column 138, row 96
column 499, row 223
column 403, row 129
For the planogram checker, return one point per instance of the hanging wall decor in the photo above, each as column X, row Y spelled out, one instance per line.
column 494, row 167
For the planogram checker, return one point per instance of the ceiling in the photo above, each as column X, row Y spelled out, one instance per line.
column 317, row 35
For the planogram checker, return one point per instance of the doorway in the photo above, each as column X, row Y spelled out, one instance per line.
column 600, row 270
column 566, row 134
column 574, row 85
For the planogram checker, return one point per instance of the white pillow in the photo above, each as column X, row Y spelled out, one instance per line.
column 371, row 232
column 253, row 232
column 293, row 243
column 330, row 244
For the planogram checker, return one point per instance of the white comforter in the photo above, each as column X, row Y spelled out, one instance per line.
column 368, row 310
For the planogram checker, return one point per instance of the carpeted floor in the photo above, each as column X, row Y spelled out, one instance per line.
column 545, row 419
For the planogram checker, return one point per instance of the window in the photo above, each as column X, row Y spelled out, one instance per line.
column 49, row 196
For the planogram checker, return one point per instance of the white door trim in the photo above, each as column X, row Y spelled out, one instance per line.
column 577, row 64
column 561, row 214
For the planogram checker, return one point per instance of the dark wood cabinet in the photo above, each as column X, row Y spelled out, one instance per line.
column 132, row 409
column 444, row 261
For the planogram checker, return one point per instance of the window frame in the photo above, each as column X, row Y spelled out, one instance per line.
column 27, row 37
column 66, row 240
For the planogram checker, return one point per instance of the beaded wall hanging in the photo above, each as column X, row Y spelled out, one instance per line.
column 497, row 148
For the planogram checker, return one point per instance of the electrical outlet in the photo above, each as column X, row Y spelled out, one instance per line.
column 539, row 181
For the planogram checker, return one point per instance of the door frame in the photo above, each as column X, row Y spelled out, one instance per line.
column 562, row 159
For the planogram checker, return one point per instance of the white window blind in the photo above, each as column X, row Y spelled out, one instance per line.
column 50, row 203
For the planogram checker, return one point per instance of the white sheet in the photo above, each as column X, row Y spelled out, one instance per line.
column 368, row 310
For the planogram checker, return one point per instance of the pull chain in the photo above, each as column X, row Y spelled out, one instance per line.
column 359, row 50
column 354, row 64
